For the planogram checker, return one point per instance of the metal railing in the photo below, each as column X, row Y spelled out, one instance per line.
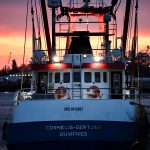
column 97, row 57
column 86, row 93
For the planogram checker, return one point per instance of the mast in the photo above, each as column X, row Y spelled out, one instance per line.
column 53, row 33
column 126, row 22
column 134, row 45
column 46, row 28
column 107, row 19
column 33, row 32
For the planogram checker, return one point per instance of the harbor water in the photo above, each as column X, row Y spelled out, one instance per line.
column 6, row 105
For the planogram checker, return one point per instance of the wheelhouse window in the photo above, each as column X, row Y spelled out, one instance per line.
column 97, row 77
column 76, row 77
column 50, row 77
column 57, row 77
column 66, row 77
column 87, row 77
column 105, row 77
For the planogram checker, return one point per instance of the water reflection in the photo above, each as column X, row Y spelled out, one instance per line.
column 6, row 103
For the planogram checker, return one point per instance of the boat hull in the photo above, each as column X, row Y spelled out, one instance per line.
column 70, row 145
column 95, row 135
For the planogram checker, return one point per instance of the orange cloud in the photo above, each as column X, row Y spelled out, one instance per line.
column 143, row 41
column 15, row 45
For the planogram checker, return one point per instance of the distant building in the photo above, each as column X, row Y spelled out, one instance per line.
column 14, row 77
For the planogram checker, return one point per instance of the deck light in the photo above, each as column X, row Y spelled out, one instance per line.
column 97, row 58
column 84, row 55
column 56, row 59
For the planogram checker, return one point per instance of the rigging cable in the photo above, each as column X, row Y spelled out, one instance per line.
column 139, row 71
column 117, row 6
column 38, row 25
column 24, row 48
column 37, row 17
column 130, row 26
column 102, row 3
column 43, row 33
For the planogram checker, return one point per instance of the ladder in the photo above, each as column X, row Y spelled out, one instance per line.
column 76, row 77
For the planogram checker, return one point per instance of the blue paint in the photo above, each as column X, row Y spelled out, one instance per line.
column 71, row 131
column 71, row 145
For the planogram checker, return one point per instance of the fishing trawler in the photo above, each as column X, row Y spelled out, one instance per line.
column 80, row 99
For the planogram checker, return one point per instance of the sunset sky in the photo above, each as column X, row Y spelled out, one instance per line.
column 12, row 29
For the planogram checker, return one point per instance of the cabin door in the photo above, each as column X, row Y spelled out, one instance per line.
column 116, row 84
column 42, row 82
column 76, row 91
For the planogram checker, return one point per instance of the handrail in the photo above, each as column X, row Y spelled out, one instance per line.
column 51, row 94
column 115, row 55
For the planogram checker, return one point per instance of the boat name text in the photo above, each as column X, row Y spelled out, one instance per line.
column 73, row 108
column 73, row 130
column 73, row 134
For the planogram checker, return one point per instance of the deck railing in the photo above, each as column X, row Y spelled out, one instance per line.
column 104, row 94
column 98, row 56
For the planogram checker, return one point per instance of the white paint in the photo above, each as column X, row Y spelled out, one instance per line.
column 78, row 59
column 92, row 110
column 104, row 86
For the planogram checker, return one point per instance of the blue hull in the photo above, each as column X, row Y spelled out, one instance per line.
column 70, row 145
column 89, row 135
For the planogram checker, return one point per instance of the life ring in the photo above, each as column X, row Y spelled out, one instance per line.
column 61, row 92
column 94, row 92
